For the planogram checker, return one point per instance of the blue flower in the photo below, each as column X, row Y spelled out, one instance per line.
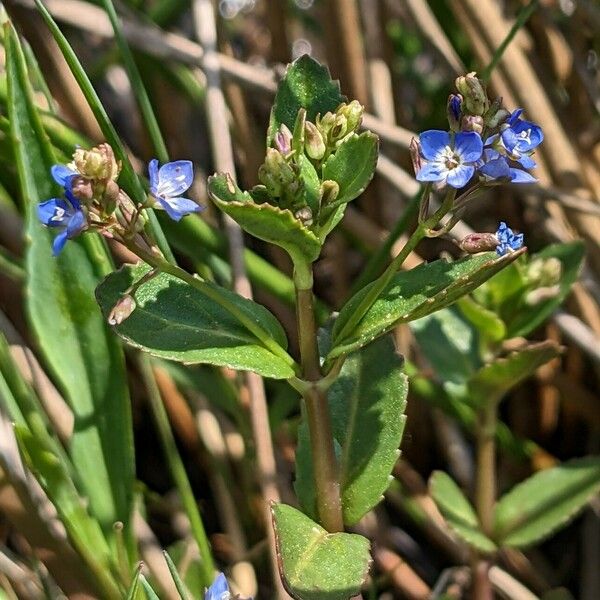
column 449, row 158
column 168, row 183
column 495, row 166
column 518, row 139
column 508, row 241
column 63, row 175
column 219, row 590
column 66, row 215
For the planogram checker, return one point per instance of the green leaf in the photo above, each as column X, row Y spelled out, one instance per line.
column 546, row 501
column 175, row 321
column 493, row 380
column 84, row 532
column 84, row 357
column 352, row 166
column 310, row 180
column 450, row 344
column 527, row 317
column 458, row 511
column 306, row 84
column 367, row 404
column 414, row 294
column 314, row 564
column 264, row 221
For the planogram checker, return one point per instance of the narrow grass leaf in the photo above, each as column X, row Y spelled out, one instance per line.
column 83, row 356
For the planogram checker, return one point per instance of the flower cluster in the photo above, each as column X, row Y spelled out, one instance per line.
column 484, row 140
column 93, row 200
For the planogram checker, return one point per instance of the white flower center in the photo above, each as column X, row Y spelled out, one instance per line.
column 450, row 158
column 525, row 135
column 59, row 213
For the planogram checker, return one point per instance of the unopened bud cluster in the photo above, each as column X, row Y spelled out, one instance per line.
column 94, row 180
column 282, row 175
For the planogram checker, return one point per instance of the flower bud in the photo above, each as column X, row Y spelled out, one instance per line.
column 121, row 310
column 544, row 272
column 324, row 124
column 472, row 123
column 275, row 173
column 352, row 113
column 478, row 242
column 97, row 163
column 82, row 189
column 328, row 192
column 305, row 216
column 454, row 111
column 495, row 115
column 313, row 141
column 283, row 139
column 339, row 129
column 473, row 91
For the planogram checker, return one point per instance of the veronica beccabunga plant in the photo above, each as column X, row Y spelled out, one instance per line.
column 353, row 389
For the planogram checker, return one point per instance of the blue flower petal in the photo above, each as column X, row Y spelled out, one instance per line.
column 496, row 169
column 507, row 239
column 177, row 208
column 514, row 116
column 433, row 142
column 520, row 176
column 535, row 135
column 526, row 161
column 62, row 175
column 174, row 178
column 460, row 176
column 219, row 590
column 53, row 212
column 153, row 174
column 469, row 145
column 510, row 139
column 76, row 224
column 432, row 171
column 59, row 242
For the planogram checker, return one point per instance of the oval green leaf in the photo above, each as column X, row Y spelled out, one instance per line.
column 264, row 221
column 414, row 294
column 458, row 511
column 352, row 166
column 175, row 321
column 546, row 501
column 315, row 564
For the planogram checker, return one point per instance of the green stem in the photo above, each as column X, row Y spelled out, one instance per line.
column 382, row 282
column 207, row 290
column 327, row 486
column 485, row 493
column 177, row 471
